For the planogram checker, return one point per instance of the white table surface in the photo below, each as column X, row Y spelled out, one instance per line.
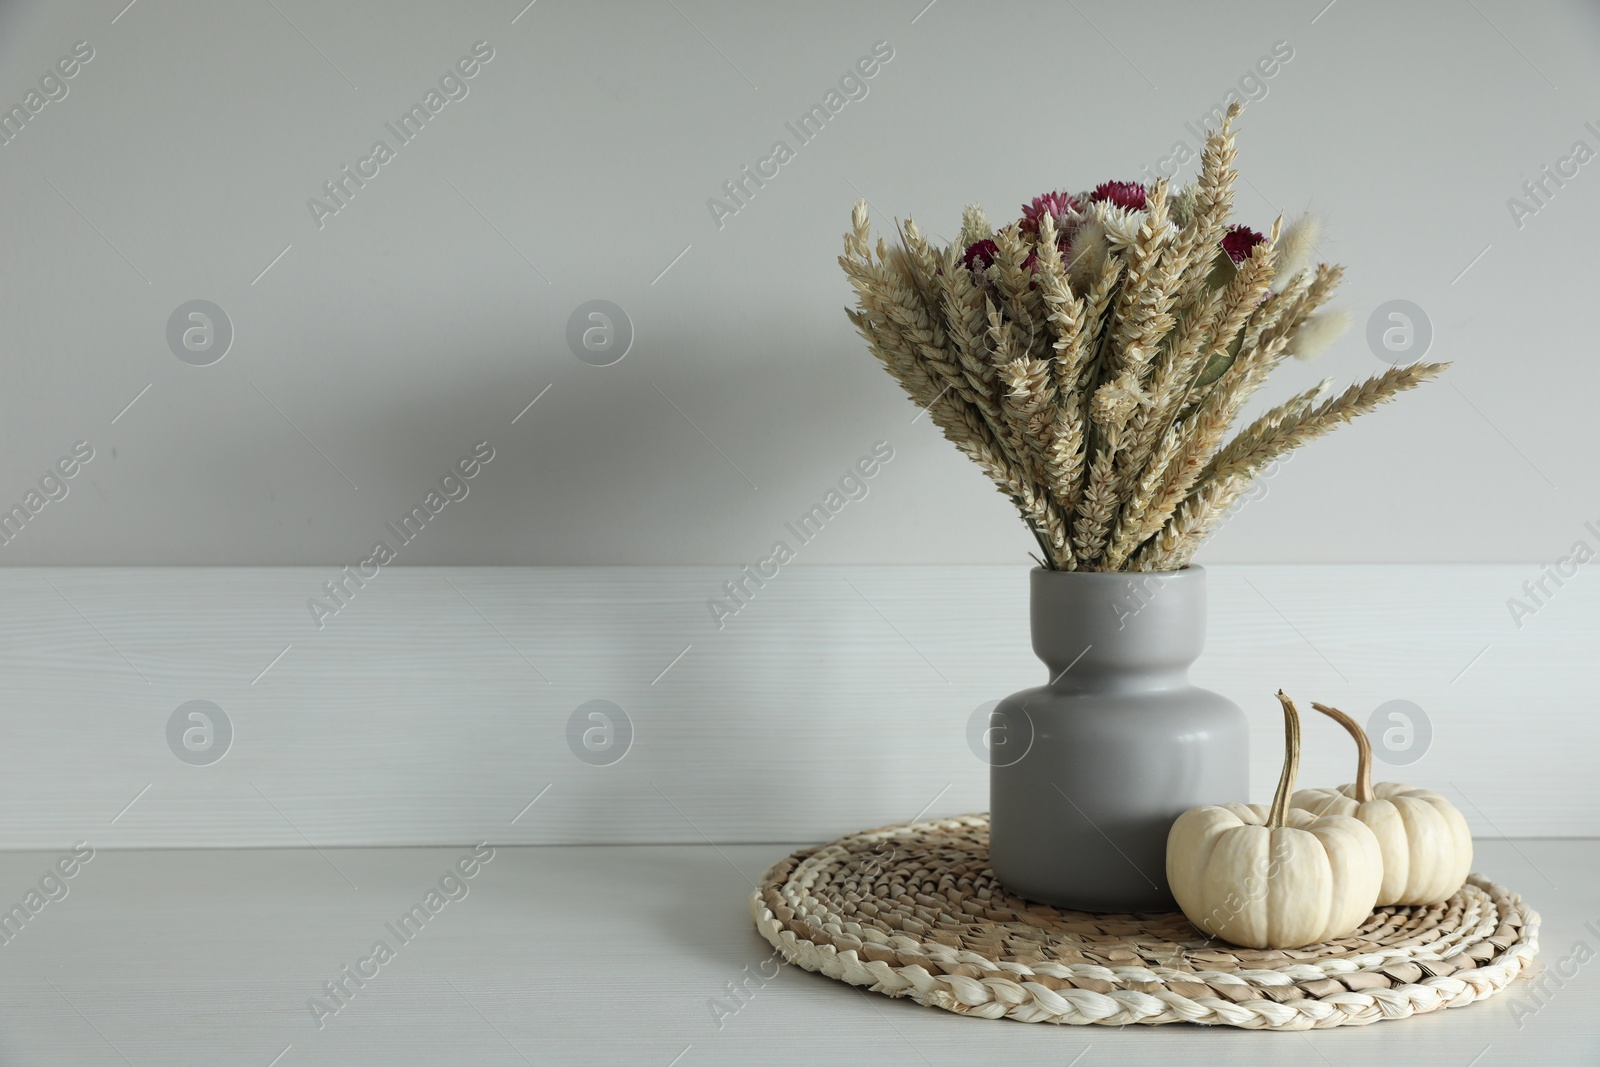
column 613, row 955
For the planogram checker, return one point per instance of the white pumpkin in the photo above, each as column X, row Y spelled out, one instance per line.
column 1273, row 877
column 1425, row 840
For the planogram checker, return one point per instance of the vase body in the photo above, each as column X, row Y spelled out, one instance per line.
column 1088, row 772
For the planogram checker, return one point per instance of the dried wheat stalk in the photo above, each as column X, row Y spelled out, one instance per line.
column 1092, row 356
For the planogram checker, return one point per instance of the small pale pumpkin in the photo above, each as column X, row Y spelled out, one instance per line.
column 1273, row 877
column 1426, row 844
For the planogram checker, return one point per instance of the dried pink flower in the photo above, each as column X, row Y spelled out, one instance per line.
column 1129, row 195
column 980, row 254
column 1056, row 204
column 1239, row 241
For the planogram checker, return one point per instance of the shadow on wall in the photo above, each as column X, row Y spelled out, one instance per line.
column 587, row 458
column 16, row 22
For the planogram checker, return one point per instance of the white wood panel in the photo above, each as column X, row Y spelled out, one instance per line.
column 434, row 707
column 615, row 955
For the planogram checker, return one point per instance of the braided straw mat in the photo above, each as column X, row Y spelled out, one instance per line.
column 913, row 911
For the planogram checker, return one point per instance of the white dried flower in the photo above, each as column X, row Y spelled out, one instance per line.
column 1121, row 225
column 1114, row 401
column 1089, row 250
column 1294, row 252
column 1318, row 332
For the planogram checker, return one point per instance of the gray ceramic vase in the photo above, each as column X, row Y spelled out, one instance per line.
column 1088, row 772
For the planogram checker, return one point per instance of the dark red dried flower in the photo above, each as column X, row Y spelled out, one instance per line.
column 1054, row 204
column 1239, row 241
column 980, row 254
column 1129, row 195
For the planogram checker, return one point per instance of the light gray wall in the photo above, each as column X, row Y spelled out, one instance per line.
column 425, row 315
column 204, row 707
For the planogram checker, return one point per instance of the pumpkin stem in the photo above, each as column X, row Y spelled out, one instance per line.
column 1291, row 763
column 1363, row 750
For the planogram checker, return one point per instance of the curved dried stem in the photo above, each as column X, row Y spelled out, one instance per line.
column 1291, row 763
column 1363, row 750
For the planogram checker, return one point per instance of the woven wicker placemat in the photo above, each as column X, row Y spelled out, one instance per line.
column 913, row 911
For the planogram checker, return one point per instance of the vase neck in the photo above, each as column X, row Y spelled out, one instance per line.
column 1118, row 632
column 1122, row 679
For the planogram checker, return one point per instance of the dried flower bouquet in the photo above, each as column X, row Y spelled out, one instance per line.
column 1092, row 356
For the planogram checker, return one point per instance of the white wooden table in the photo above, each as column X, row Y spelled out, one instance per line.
column 610, row 955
